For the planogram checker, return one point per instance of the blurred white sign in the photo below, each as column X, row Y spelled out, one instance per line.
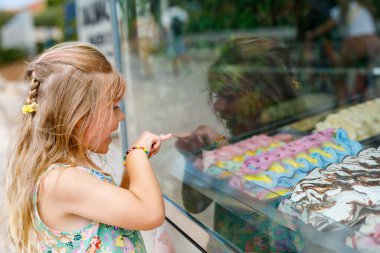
column 19, row 33
column 94, row 24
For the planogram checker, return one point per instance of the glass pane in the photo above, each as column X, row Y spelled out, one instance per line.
column 258, row 96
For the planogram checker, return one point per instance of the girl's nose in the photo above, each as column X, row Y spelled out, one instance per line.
column 121, row 116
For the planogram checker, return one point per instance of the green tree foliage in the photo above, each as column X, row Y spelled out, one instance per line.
column 51, row 16
column 237, row 14
column 5, row 17
column 52, row 3
column 11, row 55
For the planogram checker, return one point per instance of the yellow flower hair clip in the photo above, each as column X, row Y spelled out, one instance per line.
column 30, row 108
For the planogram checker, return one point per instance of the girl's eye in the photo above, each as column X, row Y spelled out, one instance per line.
column 116, row 107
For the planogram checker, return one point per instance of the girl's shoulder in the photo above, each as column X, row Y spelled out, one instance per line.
column 68, row 185
column 65, row 182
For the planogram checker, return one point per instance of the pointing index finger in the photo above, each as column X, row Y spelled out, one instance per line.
column 165, row 137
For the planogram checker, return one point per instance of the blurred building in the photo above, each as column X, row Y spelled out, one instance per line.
column 23, row 32
column 19, row 33
column 34, row 7
column 37, row 6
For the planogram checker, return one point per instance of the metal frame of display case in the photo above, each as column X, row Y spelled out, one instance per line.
column 191, row 229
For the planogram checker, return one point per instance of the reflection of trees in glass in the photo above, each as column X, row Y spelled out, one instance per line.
column 5, row 17
column 238, row 14
column 376, row 5
column 206, row 15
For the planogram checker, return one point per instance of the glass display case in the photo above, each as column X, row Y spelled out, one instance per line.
column 274, row 119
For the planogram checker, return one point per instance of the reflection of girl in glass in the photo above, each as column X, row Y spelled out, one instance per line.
column 251, row 75
column 250, row 85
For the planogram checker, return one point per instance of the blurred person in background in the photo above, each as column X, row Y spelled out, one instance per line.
column 174, row 20
column 316, row 12
column 360, row 44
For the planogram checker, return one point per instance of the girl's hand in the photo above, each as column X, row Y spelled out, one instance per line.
column 151, row 142
column 157, row 145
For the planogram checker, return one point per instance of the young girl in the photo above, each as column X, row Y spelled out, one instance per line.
column 58, row 199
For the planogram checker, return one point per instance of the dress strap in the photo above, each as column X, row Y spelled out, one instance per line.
column 93, row 172
column 56, row 165
column 99, row 175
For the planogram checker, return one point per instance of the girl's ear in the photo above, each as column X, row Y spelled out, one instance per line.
column 78, row 127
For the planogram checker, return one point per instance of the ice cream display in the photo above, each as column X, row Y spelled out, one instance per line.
column 360, row 121
column 280, row 169
column 367, row 239
column 345, row 192
column 266, row 166
column 222, row 162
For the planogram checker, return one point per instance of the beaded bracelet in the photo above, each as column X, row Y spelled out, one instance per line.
column 132, row 148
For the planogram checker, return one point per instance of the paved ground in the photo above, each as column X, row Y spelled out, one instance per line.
column 11, row 99
column 13, row 71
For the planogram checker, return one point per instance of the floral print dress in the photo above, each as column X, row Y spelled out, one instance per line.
column 94, row 238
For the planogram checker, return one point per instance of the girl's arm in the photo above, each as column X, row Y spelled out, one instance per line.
column 125, row 179
column 140, row 207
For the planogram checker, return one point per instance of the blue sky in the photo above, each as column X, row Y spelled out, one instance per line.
column 14, row 4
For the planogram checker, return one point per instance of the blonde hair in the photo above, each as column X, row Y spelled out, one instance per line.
column 71, row 83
